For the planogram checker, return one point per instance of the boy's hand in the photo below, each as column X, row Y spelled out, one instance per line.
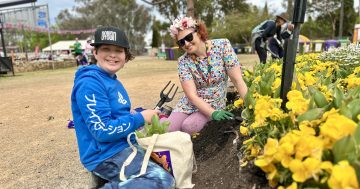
column 147, row 114
column 221, row 115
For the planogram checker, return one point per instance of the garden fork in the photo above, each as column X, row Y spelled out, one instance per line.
column 165, row 97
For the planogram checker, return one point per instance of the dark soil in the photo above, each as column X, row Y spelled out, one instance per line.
column 217, row 159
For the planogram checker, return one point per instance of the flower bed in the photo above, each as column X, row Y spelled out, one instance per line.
column 315, row 142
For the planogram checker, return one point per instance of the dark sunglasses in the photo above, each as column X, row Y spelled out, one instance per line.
column 189, row 37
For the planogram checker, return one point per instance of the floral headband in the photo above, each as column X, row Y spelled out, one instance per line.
column 181, row 24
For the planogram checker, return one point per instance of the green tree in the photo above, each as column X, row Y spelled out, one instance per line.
column 156, row 38
column 207, row 10
column 349, row 18
column 265, row 13
column 235, row 30
column 289, row 6
column 134, row 19
column 327, row 11
column 228, row 6
column 316, row 29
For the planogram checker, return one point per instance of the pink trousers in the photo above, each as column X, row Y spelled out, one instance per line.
column 188, row 123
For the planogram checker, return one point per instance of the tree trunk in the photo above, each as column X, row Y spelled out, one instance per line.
column 190, row 8
column 333, row 28
column 341, row 19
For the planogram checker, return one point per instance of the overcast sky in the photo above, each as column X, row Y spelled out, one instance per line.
column 55, row 6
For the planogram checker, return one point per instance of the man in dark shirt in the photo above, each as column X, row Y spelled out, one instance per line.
column 264, row 31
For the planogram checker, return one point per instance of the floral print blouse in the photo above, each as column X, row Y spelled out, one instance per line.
column 209, row 75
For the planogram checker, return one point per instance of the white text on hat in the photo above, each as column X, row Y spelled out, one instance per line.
column 108, row 35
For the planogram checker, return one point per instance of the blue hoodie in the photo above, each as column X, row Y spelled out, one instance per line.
column 101, row 110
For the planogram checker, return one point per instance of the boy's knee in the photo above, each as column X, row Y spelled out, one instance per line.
column 168, row 182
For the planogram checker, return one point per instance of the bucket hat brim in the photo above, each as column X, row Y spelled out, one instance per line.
column 281, row 17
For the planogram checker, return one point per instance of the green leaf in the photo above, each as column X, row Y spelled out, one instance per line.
column 310, row 115
column 356, row 165
column 320, row 99
column 277, row 92
column 338, row 97
column 249, row 99
column 344, row 149
column 357, row 135
column 155, row 121
column 355, row 93
column 344, row 110
column 327, row 80
column 139, row 134
column 312, row 104
column 354, row 107
column 245, row 114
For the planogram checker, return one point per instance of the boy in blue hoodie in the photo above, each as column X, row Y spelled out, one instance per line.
column 102, row 118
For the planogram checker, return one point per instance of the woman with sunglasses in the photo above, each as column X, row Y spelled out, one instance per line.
column 203, row 71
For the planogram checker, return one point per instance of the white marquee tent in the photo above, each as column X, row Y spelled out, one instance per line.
column 60, row 46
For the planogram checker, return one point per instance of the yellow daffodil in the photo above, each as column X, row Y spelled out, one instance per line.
column 257, row 79
column 336, row 127
column 238, row 103
column 303, row 170
column 277, row 68
column 284, row 154
column 276, row 114
column 353, row 82
column 309, row 146
column 270, row 147
column 292, row 186
column 276, row 84
column 246, row 73
column 297, row 103
column 326, row 92
column 257, row 124
column 327, row 166
column 255, row 150
column 343, row 176
column 357, row 70
column 248, row 141
column 309, row 79
column 244, row 130
column 265, row 163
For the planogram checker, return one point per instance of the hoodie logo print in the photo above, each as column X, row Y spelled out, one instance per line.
column 96, row 119
column 121, row 99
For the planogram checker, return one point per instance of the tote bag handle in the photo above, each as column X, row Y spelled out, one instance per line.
column 133, row 154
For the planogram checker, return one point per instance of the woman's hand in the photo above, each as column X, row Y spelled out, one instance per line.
column 147, row 114
column 218, row 115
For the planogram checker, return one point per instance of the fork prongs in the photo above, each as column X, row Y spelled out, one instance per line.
column 162, row 91
column 172, row 97
column 165, row 96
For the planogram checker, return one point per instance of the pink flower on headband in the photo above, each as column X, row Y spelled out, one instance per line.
column 181, row 24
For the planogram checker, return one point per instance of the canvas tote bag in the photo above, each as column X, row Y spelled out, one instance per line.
column 173, row 151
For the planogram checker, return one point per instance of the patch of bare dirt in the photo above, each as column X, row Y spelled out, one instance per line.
column 217, row 152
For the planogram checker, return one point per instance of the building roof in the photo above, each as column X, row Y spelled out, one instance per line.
column 64, row 45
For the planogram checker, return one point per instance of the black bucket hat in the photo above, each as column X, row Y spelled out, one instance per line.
column 109, row 35
column 282, row 17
